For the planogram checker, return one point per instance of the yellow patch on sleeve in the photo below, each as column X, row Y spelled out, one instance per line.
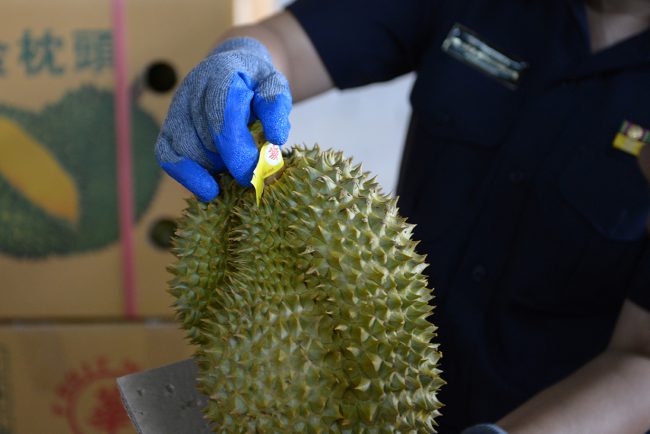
column 628, row 144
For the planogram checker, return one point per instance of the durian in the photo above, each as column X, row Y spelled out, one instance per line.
column 309, row 311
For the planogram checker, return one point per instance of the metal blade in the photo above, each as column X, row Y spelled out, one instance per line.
column 165, row 400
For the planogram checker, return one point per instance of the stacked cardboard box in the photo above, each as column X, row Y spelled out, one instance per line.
column 63, row 337
column 60, row 378
column 60, row 254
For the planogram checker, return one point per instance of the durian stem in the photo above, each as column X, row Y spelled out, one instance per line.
column 257, row 131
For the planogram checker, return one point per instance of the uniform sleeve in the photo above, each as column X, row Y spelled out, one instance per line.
column 639, row 291
column 366, row 41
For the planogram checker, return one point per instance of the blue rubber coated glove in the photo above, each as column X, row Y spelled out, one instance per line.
column 206, row 129
column 484, row 428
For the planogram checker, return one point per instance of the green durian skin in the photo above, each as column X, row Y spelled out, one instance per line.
column 308, row 311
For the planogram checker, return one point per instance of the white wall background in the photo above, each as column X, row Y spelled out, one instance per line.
column 368, row 124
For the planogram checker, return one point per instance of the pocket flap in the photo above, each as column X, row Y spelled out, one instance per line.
column 607, row 188
column 463, row 104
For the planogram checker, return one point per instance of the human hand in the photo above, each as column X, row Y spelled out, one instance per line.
column 484, row 428
column 206, row 129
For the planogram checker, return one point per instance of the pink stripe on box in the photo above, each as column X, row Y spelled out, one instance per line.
column 124, row 160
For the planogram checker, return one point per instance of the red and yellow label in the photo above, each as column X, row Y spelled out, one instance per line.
column 270, row 162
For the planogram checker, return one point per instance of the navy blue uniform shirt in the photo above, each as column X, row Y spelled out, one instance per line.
column 532, row 222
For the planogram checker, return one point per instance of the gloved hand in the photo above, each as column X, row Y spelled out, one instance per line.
column 206, row 129
column 484, row 428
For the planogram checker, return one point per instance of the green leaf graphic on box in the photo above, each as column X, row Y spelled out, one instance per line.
column 59, row 195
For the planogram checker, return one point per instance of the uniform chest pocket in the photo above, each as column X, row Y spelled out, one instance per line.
column 462, row 104
column 460, row 119
column 582, row 236
column 606, row 187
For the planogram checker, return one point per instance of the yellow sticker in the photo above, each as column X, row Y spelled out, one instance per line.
column 270, row 162
column 628, row 144
column 631, row 138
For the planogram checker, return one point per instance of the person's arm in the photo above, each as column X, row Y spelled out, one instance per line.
column 256, row 72
column 291, row 51
column 611, row 394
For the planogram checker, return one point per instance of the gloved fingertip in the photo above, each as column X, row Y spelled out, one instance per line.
column 242, row 170
column 274, row 116
column 277, row 132
column 207, row 194
column 238, row 150
column 193, row 177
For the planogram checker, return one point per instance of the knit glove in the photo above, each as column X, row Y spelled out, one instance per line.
column 206, row 129
column 484, row 428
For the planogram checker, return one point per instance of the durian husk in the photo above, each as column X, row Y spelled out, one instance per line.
column 308, row 311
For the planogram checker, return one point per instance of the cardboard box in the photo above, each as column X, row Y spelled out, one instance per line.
column 60, row 255
column 60, row 379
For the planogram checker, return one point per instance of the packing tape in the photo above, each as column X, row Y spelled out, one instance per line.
column 124, row 158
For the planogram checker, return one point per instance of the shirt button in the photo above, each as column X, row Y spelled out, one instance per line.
column 478, row 273
column 517, row 176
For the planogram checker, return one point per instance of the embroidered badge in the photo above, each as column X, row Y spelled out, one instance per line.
column 631, row 138
column 466, row 46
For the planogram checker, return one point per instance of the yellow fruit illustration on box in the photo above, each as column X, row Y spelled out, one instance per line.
column 58, row 182
column 53, row 189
